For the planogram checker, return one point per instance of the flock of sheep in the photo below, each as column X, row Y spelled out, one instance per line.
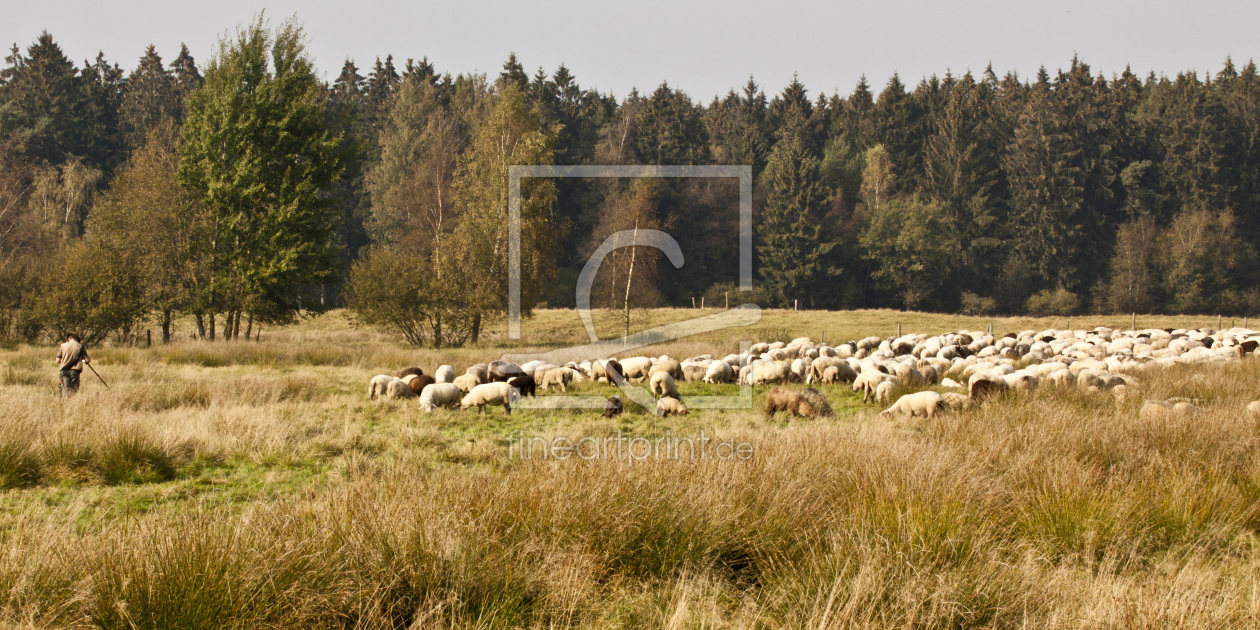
column 977, row 364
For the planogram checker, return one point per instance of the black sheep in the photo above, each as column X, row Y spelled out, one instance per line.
column 613, row 408
column 524, row 384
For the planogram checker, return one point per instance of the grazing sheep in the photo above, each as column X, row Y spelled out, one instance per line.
column 916, row 404
column 719, row 372
column 949, row 382
column 956, row 401
column 613, row 407
column 831, row 375
column 418, row 383
column 501, row 371
column 397, row 389
column 466, row 382
column 609, row 371
column 524, row 384
column 444, row 374
column 1253, row 408
column 439, row 395
column 635, row 369
column 766, row 372
column 670, row 366
column 694, row 372
column 884, row 392
column 983, row 385
column 411, row 370
column 662, row 385
column 867, row 382
column 554, row 377
column 670, row 407
column 481, row 371
column 378, row 385
column 818, row 401
column 496, row 393
column 783, row 399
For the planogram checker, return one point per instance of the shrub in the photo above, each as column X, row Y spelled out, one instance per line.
column 973, row 304
column 1059, row 301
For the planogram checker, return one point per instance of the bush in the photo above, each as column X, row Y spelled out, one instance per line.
column 973, row 304
column 398, row 292
column 91, row 291
column 1059, row 301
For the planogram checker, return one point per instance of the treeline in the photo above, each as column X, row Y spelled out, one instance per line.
column 249, row 189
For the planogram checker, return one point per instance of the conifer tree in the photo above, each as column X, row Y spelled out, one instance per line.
column 796, row 250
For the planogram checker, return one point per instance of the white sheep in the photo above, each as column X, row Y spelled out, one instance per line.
column 444, row 374
column 554, row 376
column 884, row 392
column 662, row 385
column 466, row 382
column 916, row 404
column 768, row 372
column 439, row 395
column 670, row 407
column 378, row 385
column 1253, row 408
column 496, row 393
column 635, row 369
column 867, row 382
column 397, row 389
column 719, row 372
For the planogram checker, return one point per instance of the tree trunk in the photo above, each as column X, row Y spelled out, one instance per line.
column 249, row 326
column 166, row 326
column 201, row 327
column 437, row 331
column 236, row 326
column 476, row 328
column 211, row 325
column 630, row 277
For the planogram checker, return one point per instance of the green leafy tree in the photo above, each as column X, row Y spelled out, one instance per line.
column 259, row 154
column 912, row 247
column 509, row 135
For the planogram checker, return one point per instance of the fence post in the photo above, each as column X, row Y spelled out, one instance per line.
column 148, row 338
column 728, row 300
column 693, row 302
column 898, row 330
column 794, row 304
column 702, row 302
column 1134, row 321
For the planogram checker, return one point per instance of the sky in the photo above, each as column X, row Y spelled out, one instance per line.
column 704, row 48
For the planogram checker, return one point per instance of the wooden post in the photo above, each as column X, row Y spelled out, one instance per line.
column 148, row 338
column 794, row 304
column 693, row 302
column 702, row 302
column 728, row 300
column 899, row 330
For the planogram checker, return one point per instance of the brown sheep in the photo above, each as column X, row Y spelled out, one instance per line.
column 783, row 399
column 818, row 401
column 411, row 370
column 416, row 383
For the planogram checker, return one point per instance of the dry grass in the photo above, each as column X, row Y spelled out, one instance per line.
column 254, row 485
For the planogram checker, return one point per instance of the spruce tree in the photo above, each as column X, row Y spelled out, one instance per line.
column 150, row 99
column 796, row 250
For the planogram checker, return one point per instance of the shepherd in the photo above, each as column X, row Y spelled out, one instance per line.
column 71, row 356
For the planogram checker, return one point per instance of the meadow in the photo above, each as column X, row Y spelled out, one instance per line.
column 254, row 485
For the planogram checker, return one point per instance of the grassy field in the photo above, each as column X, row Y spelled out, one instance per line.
column 255, row 485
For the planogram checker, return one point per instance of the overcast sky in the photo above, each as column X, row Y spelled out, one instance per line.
column 704, row 48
